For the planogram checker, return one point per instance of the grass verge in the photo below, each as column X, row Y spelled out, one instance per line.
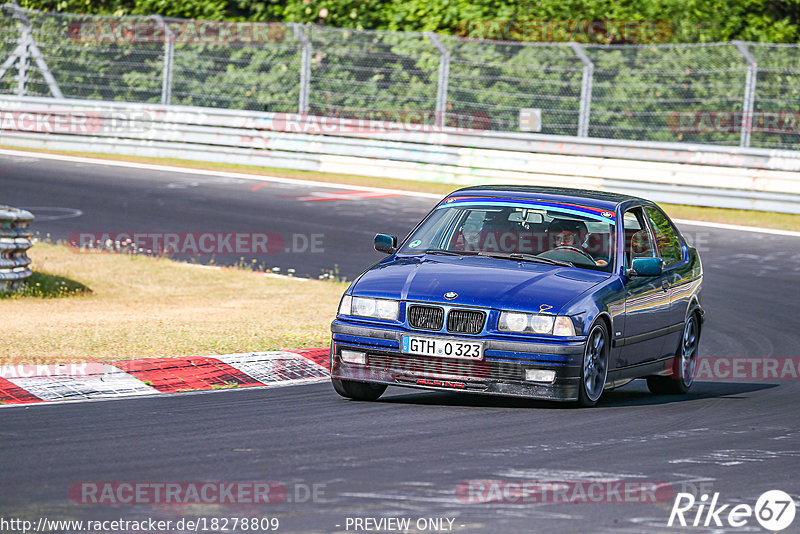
column 45, row 285
column 765, row 219
column 145, row 307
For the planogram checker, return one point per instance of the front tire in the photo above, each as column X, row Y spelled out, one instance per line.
column 360, row 391
column 684, row 365
column 595, row 365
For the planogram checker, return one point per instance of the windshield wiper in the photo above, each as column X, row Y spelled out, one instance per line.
column 444, row 252
column 502, row 255
column 525, row 257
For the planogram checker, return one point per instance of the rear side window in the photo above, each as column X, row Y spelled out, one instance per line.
column 667, row 237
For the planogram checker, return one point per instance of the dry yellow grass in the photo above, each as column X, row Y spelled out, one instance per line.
column 760, row 219
column 143, row 307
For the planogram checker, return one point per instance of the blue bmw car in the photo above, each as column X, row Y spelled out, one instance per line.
column 546, row 293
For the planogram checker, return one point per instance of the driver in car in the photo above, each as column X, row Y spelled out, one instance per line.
column 570, row 234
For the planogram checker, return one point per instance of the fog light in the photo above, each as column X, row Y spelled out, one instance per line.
column 351, row 356
column 540, row 375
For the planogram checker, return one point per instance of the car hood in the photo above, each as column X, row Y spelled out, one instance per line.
column 477, row 281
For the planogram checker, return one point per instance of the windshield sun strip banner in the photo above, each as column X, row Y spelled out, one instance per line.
column 597, row 214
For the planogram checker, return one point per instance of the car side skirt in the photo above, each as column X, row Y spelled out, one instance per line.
column 621, row 342
column 622, row 375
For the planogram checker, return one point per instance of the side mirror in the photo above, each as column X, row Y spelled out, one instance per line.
column 385, row 243
column 646, row 267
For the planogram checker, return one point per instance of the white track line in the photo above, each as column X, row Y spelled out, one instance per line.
column 278, row 179
column 738, row 228
column 205, row 172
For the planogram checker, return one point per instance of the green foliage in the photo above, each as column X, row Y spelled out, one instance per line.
column 692, row 20
column 261, row 78
column 372, row 71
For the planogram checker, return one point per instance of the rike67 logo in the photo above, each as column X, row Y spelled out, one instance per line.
column 774, row 510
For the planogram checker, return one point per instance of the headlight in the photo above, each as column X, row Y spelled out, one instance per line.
column 535, row 323
column 367, row 307
column 515, row 322
column 542, row 324
column 364, row 307
column 387, row 309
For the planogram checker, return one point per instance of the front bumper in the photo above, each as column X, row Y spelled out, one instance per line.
column 501, row 372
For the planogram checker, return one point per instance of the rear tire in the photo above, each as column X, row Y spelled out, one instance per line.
column 595, row 365
column 684, row 365
column 360, row 391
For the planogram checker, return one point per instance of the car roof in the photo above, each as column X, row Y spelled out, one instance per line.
column 595, row 199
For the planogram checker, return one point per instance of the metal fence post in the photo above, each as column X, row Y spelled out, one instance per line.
column 8, row 63
column 444, row 78
column 22, row 62
column 748, row 103
column 305, row 67
column 169, row 56
column 586, row 89
column 27, row 48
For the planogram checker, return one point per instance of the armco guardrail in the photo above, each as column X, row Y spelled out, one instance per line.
column 15, row 240
column 680, row 173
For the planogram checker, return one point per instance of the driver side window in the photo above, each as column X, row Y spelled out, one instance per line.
column 638, row 242
column 669, row 244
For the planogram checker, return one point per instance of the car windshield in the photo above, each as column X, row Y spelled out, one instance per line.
column 520, row 230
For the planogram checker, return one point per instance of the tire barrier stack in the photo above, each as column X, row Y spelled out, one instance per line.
column 15, row 240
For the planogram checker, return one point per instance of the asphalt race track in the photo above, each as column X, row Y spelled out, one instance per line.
column 122, row 200
column 411, row 454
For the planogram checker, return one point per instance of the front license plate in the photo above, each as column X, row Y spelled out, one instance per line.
column 446, row 348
